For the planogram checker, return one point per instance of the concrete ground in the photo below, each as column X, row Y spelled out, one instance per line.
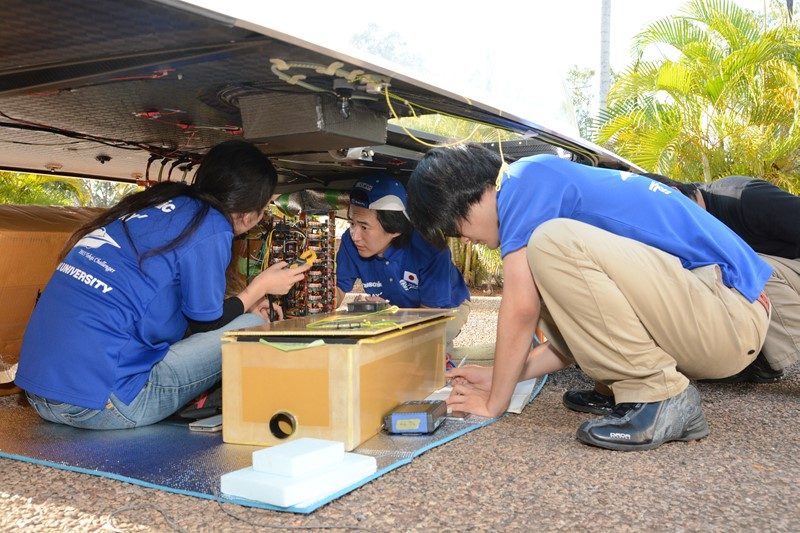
column 524, row 472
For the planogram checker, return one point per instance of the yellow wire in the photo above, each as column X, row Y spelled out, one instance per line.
column 498, row 182
column 503, row 165
column 424, row 143
column 265, row 261
column 437, row 111
column 355, row 318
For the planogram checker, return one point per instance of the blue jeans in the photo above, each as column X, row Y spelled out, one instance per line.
column 191, row 366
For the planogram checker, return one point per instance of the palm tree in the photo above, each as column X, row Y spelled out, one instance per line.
column 727, row 101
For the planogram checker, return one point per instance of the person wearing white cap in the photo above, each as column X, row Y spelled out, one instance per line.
column 392, row 260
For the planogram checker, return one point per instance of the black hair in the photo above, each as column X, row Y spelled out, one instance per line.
column 687, row 189
column 233, row 177
column 396, row 222
column 390, row 221
column 444, row 186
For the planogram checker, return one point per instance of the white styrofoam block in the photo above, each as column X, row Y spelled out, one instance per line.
column 307, row 488
column 298, row 457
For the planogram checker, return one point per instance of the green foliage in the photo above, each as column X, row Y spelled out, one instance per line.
column 16, row 188
column 34, row 189
column 107, row 193
column 455, row 129
column 723, row 99
column 579, row 82
column 482, row 267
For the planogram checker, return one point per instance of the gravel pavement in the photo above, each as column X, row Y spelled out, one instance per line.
column 524, row 472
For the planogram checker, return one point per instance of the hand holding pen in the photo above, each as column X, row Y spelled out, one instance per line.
column 479, row 377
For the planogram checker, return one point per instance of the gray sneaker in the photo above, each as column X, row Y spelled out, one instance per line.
column 644, row 426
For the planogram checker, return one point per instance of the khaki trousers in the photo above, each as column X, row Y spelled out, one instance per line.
column 454, row 325
column 633, row 318
column 782, row 346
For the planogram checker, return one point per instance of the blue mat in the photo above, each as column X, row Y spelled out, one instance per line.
column 169, row 457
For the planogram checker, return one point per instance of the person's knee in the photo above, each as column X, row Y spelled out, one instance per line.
column 246, row 320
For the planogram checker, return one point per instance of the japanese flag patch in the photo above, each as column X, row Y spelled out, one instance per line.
column 410, row 278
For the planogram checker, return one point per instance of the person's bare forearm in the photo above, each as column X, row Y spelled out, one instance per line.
column 542, row 360
column 516, row 324
column 514, row 335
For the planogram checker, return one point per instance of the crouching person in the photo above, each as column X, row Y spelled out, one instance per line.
column 630, row 279
column 393, row 262
column 128, row 328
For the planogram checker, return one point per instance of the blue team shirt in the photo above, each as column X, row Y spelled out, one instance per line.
column 543, row 187
column 103, row 321
column 416, row 275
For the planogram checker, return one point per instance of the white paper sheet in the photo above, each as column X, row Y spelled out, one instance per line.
column 521, row 397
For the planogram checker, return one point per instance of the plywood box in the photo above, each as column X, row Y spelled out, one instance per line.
column 31, row 238
column 337, row 391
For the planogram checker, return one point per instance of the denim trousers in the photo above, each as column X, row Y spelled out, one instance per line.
column 191, row 366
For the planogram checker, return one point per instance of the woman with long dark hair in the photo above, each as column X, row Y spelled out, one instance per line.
column 128, row 328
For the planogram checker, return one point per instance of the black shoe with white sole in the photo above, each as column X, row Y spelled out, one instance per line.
column 644, row 426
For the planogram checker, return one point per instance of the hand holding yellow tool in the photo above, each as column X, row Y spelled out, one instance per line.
column 307, row 257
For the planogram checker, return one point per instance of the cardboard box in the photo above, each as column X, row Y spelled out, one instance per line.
column 339, row 391
column 31, row 239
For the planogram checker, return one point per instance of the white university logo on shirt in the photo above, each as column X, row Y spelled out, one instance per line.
column 96, row 239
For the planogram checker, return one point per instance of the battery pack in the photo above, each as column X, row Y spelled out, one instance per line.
column 416, row 417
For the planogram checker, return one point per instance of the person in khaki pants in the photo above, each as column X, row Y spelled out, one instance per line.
column 768, row 219
column 630, row 279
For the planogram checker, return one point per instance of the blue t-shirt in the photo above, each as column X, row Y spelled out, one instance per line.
column 103, row 321
column 543, row 187
column 412, row 276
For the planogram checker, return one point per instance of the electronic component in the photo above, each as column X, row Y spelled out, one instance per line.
column 416, row 417
column 308, row 239
column 306, row 258
column 366, row 306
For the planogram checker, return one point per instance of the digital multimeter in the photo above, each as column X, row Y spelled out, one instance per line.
column 306, row 258
column 416, row 417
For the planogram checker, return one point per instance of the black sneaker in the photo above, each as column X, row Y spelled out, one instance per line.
column 758, row 371
column 588, row 401
column 645, row 426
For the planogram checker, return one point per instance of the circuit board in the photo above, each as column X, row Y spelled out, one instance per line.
column 299, row 327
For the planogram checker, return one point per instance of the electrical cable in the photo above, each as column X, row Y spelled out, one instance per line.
column 334, row 70
column 164, row 162
column 498, row 182
column 41, row 144
column 424, row 143
column 356, row 321
column 106, row 141
column 152, row 158
column 220, row 501
column 177, row 162
column 167, row 518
